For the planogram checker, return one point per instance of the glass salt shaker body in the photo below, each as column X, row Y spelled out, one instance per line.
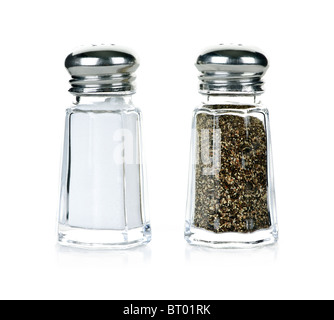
column 102, row 201
column 231, row 195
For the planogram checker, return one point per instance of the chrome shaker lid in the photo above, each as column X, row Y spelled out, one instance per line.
column 103, row 69
column 232, row 69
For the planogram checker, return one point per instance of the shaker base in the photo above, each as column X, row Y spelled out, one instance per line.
column 103, row 239
column 230, row 240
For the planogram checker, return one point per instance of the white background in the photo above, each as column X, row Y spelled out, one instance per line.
column 297, row 37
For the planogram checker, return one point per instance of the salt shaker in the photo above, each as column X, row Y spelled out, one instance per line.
column 102, row 189
column 231, row 197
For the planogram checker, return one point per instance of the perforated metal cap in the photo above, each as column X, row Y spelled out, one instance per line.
column 103, row 69
column 232, row 69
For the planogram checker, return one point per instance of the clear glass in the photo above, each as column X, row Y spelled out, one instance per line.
column 231, row 195
column 102, row 201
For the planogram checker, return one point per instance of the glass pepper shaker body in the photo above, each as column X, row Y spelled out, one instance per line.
column 102, row 195
column 231, row 198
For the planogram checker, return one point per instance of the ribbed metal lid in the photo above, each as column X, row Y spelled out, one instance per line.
column 103, row 69
column 232, row 69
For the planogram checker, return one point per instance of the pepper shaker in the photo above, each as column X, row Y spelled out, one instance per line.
column 102, row 189
column 231, row 195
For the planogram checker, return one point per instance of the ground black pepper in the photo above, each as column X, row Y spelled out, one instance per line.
column 231, row 172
